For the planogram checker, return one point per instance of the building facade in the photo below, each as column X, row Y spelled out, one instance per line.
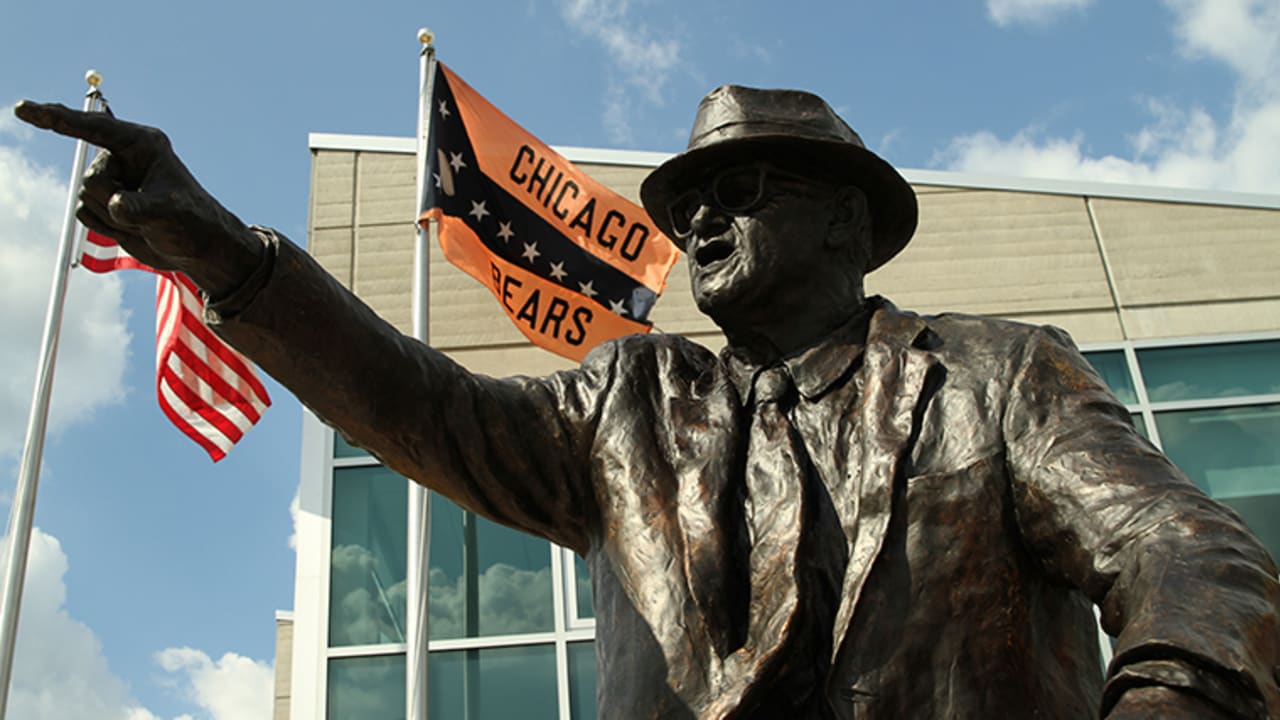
column 1174, row 296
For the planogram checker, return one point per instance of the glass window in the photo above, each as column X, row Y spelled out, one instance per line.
column 493, row 684
column 1226, row 451
column 1234, row 455
column 1114, row 370
column 1211, row 371
column 582, row 680
column 582, row 587
column 1262, row 514
column 1140, row 425
column 367, row 564
column 344, row 449
column 366, row 688
column 486, row 579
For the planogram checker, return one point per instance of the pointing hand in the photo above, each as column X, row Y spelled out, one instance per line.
column 140, row 194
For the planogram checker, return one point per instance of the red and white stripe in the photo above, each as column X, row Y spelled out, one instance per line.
column 102, row 254
column 208, row 390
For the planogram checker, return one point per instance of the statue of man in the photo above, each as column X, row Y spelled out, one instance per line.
column 851, row 512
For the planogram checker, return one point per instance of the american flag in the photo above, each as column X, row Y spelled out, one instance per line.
column 208, row 390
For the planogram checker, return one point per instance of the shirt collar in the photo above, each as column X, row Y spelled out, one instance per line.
column 814, row 369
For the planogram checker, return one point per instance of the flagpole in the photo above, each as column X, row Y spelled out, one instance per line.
column 417, row 573
column 24, row 502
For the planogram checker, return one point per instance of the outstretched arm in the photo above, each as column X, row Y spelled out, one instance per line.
column 516, row 451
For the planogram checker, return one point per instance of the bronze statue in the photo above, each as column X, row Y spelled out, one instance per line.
column 852, row 512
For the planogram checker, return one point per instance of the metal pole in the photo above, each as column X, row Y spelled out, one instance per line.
column 417, row 573
column 470, row 615
column 24, row 501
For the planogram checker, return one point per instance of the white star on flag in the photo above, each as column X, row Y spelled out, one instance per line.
column 557, row 271
column 586, row 289
column 617, row 307
column 444, row 110
column 455, row 159
column 477, row 209
column 530, row 251
column 505, row 232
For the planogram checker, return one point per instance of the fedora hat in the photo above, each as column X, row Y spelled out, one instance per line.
column 798, row 131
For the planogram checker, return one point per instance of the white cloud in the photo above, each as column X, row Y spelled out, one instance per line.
column 94, row 343
column 1031, row 12
column 617, row 115
column 295, row 507
column 59, row 670
column 232, row 688
column 363, row 613
column 511, row 600
column 1240, row 33
column 12, row 126
column 1178, row 146
column 643, row 62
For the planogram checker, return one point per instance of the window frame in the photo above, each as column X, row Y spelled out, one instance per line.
column 311, row 650
column 1148, row 409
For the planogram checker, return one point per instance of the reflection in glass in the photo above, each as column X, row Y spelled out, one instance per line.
column 1234, row 455
column 1140, row 425
column 366, row 688
column 344, row 449
column 582, row 587
column 1114, row 370
column 582, row 680
column 493, row 684
column 1196, row 372
column 486, row 579
column 367, row 564
column 1262, row 514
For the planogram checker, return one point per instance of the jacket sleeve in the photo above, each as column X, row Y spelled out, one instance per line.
column 514, row 450
column 1189, row 591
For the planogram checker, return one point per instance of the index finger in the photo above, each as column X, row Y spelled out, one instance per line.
column 97, row 128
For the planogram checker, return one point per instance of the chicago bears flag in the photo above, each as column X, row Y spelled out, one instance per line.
column 571, row 262
column 208, row 391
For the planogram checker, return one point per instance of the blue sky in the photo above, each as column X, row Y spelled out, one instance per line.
column 155, row 574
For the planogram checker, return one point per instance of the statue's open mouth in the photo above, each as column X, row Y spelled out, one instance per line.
column 713, row 251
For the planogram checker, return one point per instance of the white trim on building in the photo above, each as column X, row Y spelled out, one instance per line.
column 943, row 178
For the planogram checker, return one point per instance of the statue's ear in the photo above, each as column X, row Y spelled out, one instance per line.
column 850, row 218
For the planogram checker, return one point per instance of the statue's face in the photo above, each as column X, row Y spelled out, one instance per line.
column 755, row 238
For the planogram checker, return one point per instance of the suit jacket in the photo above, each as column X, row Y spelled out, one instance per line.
column 990, row 489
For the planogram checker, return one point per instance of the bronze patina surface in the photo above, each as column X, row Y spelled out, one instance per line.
column 852, row 512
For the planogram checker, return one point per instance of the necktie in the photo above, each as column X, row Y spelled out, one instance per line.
column 797, row 561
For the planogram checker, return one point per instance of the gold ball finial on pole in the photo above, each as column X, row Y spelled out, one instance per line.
column 93, row 77
column 425, row 36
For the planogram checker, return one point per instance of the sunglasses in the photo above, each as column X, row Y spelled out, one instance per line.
column 736, row 191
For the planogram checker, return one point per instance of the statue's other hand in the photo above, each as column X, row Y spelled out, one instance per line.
column 140, row 194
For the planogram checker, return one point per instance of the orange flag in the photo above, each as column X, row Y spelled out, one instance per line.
column 571, row 262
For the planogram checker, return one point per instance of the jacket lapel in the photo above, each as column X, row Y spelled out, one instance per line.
column 683, row 568
column 894, row 373
column 710, row 509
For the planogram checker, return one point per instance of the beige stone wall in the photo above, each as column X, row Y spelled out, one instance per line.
column 1192, row 269
column 284, row 667
column 1024, row 256
column 1104, row 269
